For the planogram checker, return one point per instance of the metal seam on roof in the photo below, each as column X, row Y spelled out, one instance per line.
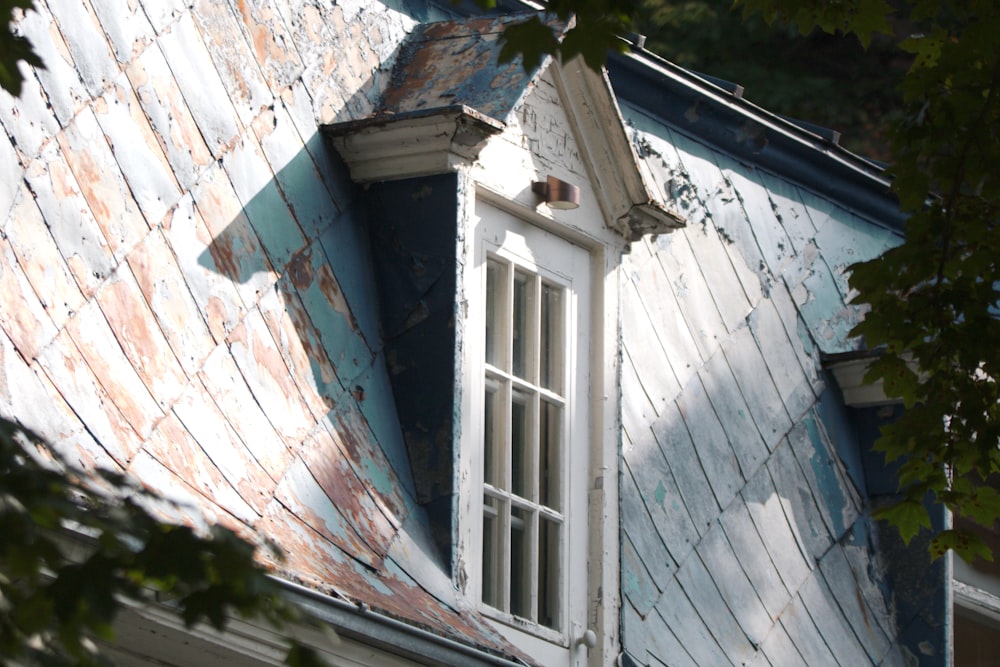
column 709, row 114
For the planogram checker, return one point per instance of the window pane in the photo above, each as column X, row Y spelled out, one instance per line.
column 548, row 572
column 549, row 473
column 492, row 467
column 495, row 285
column 492, row 563
column 520, row 445
column 519, row 334
column 520, row 562
column 550, row 353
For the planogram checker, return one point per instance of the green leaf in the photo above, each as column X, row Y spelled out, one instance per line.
column 967, row 544
column 909, row 516
column 530, row 39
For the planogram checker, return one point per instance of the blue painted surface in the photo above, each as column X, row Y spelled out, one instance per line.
column 791, row 516
column 413, row 227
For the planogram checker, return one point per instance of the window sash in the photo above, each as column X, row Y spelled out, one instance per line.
column 524, row 459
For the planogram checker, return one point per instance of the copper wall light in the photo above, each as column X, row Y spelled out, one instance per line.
column 556, row 193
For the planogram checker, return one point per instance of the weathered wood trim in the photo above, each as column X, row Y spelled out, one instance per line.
column 629, row 206
column 393, row 147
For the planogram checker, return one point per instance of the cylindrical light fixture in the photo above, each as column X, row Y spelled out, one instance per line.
column 556, row 193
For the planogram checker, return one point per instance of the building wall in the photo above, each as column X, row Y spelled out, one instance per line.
column 745, row 539
column 186, row 292
column 186, row 295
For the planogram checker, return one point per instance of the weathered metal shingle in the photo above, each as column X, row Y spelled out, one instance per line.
column 456, row 63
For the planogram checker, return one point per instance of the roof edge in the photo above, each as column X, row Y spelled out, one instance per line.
column 708, row 113
column 360, row 622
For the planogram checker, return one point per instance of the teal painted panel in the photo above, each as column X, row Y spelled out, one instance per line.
column 638, row 526
column 735, row 587
column 319, row 289
column 717, row 457
column 734, row 413
column 786, row 202
column 791, row 485
column 754, row 379
column 698, row 584
column 346, row 244
column 679, row 451
column 835, row 497
column 638, row 587
column 374, row 396
column 655, row 482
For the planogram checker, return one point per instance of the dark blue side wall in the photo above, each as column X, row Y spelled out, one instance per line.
column 413, row 225
column 918, row 584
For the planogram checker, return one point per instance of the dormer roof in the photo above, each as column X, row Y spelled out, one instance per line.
column 449, row 95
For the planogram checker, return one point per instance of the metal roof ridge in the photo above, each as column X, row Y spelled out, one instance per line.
column 670, row 93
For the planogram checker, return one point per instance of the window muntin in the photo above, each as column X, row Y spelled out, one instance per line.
column 524, row 456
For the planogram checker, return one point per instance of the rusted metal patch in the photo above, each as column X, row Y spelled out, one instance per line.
column 326, row 461
column 22, row 315
column 166, row 292
column 219, row 441
column 168, row 113
column 102, row 184
column 184, row 504
column 227, row 387
column 301, row 495
column 260, row 362
column 139, row 335
column 67, row 215
column 72, row 376
column 330, row 314
column 175, row 447
column 272, row 41
column 234, row 251
column 28, row 395
column 391, row 592
column 301, row 348
column 233, row 57
column 98, row 346
column 352, row 433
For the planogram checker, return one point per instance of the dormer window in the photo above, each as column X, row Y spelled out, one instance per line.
column 500, row 322
column 535, row 382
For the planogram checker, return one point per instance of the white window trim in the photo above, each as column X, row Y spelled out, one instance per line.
column 600, row 477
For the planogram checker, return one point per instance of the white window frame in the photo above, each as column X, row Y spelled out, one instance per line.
column 591, row 503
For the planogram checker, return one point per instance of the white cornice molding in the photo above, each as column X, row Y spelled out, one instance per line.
column 392, row 147
column 850, row 374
